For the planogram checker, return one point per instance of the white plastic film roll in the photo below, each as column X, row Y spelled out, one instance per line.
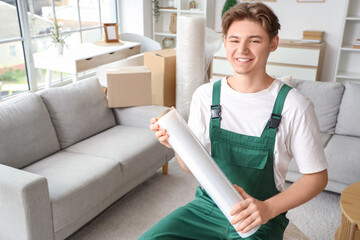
column 201, row 164
column 190, row 60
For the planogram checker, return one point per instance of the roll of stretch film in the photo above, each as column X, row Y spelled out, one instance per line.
column 201, row 164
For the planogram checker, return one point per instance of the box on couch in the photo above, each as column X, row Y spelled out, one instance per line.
column 162, row 64
column 129, row 86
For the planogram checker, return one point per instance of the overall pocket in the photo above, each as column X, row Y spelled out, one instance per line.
column 243, row 156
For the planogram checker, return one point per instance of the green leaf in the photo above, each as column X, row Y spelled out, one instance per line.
column 227, row 5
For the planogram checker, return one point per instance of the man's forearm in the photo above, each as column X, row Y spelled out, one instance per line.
column 301, row 191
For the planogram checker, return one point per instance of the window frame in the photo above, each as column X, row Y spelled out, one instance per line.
column 26, row 39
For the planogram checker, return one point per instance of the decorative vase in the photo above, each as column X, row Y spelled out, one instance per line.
column 193, row 5
column 173, row 21
column 168, row 42
column 59, row 48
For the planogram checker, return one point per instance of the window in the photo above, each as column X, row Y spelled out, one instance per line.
column 25, row 29
column 13, row 74
column 13, row 50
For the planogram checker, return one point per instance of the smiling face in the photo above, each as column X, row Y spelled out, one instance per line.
column 248, row 47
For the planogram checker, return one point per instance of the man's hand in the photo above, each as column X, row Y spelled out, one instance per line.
column 250, row 212
column 161, row 134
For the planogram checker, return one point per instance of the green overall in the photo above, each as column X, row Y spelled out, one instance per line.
column 248, row 162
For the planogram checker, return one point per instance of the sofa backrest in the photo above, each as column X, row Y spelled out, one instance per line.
column 348, row 122
column 26, row 131
column 78, row 111
column 326, row 97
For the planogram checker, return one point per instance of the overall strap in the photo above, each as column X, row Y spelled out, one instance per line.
column 215, row 106
column 275, row 118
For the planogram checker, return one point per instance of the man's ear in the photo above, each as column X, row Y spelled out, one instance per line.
column 224, row 39
column 274, row 43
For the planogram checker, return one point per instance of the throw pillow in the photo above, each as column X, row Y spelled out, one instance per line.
column 326, row 97
column 78, row 111
column 349, row 114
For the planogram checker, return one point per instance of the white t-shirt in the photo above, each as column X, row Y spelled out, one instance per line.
column 248, row 113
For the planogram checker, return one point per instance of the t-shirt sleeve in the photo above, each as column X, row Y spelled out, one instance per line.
column 305, row 142
column 197, row 121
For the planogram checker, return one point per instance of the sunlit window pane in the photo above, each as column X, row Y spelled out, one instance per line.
column 72, row 39
column 67, row 14
column 40, row 16
column 90, row 14
column 39, row 45
column 45, row 44
column 108, row 11
column 13, row 78
column 9, row 21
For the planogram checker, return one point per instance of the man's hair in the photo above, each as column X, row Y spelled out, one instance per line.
column 257, row 12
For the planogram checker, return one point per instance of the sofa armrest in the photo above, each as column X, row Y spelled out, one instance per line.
column 25, row 208
column 137, row 116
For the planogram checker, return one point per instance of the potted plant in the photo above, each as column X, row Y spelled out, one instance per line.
column 156, row 10
column 58, row 38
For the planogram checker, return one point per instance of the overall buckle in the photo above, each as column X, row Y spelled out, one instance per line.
column 274, row 121
column 215, row 111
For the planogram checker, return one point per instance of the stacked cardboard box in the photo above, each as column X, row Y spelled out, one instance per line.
column 162, row 64
column 357, row 43
column 313, row 36
column 129, row 86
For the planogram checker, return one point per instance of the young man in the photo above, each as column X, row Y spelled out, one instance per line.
column 263, row 125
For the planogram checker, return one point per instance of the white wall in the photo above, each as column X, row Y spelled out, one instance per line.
column 134, row 15
column 296, row 17
column 148, row 18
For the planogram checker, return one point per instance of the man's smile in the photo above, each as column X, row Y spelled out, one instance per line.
column 243, row 59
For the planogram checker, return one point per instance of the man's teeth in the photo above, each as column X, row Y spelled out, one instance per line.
column 243, row 59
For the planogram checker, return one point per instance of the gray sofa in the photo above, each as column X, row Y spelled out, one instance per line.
column 65, row 157
column 337, row 107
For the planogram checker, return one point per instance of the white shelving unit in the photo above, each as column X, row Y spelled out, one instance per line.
column 348, row 62
column 179, row 7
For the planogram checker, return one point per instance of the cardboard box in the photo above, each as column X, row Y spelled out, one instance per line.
column 129, row 86
column 162, row 64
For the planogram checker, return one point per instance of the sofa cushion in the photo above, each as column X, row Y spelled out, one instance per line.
column 326, row 97
column 343, row 156
column 77, row 183
column 135, row 149
column 137, row 116
column 26, row 131
column 78, row 111
column 349, row 114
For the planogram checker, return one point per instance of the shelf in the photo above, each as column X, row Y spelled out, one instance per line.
column 192, row 11
column 165, row 34
column 353, row 18
column 348, row 75
column 350, row 48
column 161, row 28
column 347, row 65
column 168, row 8
column 164, row 10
